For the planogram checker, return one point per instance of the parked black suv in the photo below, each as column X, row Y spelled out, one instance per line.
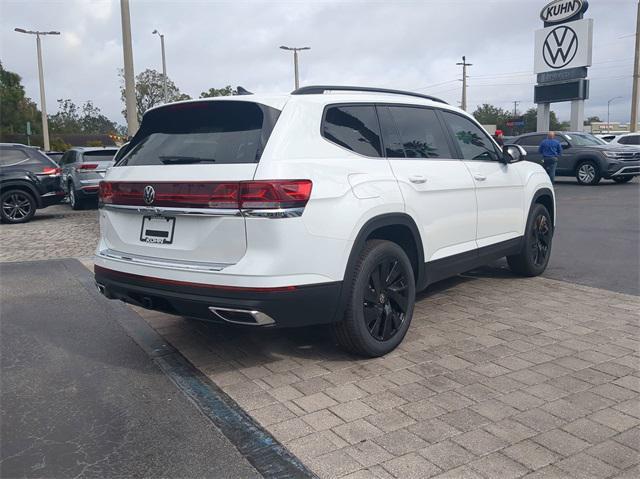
column 29, row 180
column 586, row 157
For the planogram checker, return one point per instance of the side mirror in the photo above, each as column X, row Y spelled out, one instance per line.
column 513, row 153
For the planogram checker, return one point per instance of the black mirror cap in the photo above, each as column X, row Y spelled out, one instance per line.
column 513, row 153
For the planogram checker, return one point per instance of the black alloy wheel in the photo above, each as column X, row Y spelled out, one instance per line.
column 18, row 206
column 541, row 241
column 386, row 299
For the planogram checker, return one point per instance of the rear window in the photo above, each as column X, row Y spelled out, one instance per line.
column 630, row 140
column 98, row 155
column 211, row 132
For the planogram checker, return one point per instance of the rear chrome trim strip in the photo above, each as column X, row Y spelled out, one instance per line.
column 162, row 263
column 171, row 211
column 274, row 213
column 260, row 318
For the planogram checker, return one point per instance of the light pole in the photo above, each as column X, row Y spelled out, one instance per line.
column 164, row 67
column 295, row 51
column 43, row 101
column 609, row 103
column 464, row 81
column 129, row 80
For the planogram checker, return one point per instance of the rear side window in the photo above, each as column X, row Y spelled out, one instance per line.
column 630, row 140
column 473, row 142
column 420, row 132
column 98, row 155
column 207, row 132
column 21, row 158
column 354, row 128
column 533, row 140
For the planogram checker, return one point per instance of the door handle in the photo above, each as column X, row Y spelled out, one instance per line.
column 417, row 179
column 480, row 177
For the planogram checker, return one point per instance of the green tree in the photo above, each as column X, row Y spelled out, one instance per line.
column 491, row 115
column 592, row 119
column 530, row 118
column 15, row 107
column 150, row 91
column 87, row 119
column 212, row 92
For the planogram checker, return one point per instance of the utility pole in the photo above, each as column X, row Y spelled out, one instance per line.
column 633, row 126
column 43, row 101
column 464, row 81
column 164, row 68
column 129, row 81
column 515, row 108
column 295, row 51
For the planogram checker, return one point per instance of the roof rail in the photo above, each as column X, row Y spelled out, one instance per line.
column 319, row 89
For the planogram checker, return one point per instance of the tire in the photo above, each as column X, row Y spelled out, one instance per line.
column 380, row 302
column 536, row 248
column 17, row 206
column 622, row 179
column 588, row 173
column 74, row 201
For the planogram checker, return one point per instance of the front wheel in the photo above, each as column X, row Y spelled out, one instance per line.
column 380, row 303
column 588, row 173
column 17, row 206
column 622, row 179
column 536, row 245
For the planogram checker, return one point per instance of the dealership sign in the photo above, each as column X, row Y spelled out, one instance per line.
column 567, row 45
column 560, row 11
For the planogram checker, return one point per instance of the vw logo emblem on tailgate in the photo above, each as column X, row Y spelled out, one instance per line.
column 149, row 194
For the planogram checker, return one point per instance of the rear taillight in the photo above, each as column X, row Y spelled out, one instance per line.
column 51, row 171
column 87, row 166
column 275, row 194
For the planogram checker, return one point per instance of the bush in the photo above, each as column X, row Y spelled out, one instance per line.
column 58, row 144
column 94, row 143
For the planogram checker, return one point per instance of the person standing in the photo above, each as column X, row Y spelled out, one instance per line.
column 550, row 149
column 500, row 137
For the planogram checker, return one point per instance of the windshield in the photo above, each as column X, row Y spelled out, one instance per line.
column 208, row 132
column 584, row 139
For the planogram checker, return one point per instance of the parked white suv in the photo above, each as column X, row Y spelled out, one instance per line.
column 329, row 205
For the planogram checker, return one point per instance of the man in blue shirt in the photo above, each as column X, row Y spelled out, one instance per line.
column 550, row 149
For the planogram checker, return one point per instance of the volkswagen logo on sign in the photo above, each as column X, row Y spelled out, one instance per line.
column 560, row 47
column 149, row 194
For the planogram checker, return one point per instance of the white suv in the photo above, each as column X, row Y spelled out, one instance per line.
column 328, row 205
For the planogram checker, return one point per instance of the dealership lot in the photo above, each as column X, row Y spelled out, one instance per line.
column 497, row 377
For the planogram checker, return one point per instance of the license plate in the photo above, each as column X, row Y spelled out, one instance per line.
column 157, row 229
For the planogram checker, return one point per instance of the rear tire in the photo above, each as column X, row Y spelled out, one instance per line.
column 588, row 173
column 74, row 201
column 536, row 246
column 622, row 179
column 380, row 303
column 17, row 206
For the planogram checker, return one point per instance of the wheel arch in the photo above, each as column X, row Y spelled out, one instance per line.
column 545, row 197
column 24, row 186
column 399, row 228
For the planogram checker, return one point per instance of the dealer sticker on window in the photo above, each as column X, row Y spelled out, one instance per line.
column 157, row 229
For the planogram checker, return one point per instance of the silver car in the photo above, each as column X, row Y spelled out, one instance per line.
column 82, row 170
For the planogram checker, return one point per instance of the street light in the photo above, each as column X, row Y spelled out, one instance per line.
column 609, row 103
column 43, row 105
column 295, row 51
column 164, row 66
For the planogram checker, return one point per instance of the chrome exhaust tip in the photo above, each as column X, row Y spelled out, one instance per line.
column 242, row 316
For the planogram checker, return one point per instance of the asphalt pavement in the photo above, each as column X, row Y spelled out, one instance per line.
column 80, row 398
column 597, row 239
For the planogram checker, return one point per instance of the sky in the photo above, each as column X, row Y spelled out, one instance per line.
column 410, row 45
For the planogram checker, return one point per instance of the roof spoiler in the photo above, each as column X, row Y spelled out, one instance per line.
column 320, row 89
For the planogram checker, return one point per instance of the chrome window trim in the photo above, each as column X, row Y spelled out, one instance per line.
column 129, row 258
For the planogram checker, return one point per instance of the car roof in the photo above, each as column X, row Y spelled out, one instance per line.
column 93, row 148
column 333, row 94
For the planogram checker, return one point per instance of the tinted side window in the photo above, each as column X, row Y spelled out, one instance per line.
column 420, row 132
column 353, row 127
column 23, row 158
column 473, row 142
column 533, row 140
column 12, row 157
column 630, row 140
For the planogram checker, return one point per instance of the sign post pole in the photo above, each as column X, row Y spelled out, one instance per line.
column 577, row 115
column 542, row 117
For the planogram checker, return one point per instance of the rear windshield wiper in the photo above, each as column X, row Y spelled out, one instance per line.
column 184, row 160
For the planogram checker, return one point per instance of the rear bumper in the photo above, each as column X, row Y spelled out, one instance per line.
column 290, row 306
column 52, row 198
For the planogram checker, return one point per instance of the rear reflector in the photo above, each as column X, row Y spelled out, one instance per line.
column 270, row 194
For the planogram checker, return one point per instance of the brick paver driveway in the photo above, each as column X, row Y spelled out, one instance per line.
column 498, row 377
